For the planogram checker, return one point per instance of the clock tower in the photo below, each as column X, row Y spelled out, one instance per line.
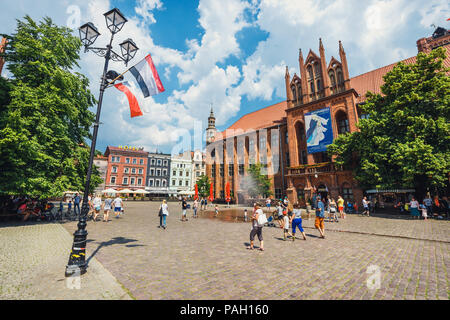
column 211, row 130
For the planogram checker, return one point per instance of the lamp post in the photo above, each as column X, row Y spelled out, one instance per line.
column 115, row 21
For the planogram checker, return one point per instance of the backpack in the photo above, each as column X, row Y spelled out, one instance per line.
column 262, row 219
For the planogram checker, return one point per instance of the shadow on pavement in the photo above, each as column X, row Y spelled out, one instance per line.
column 113, row 241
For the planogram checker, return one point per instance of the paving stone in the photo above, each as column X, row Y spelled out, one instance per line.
column 207, row 258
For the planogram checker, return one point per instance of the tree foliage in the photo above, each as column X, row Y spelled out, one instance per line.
column 405, row 141
column 44, row 114
column 203, row 184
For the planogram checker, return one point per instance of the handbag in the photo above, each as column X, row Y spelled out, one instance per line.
column 160, row 212
column 262, row 219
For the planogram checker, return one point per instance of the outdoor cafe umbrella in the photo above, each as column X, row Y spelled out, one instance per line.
column 110, row 190
column 228, row 193
column 211, row 190
column 196, row 192
column 126, row 191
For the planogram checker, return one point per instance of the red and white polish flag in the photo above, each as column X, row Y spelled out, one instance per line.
column 135, row 110
column 147, row 77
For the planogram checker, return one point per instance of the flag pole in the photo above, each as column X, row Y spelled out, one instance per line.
column 110, row 83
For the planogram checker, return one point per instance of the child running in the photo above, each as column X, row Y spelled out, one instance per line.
column 333, row 211
column 297, row 222
column 216, row 210
column 286, row 223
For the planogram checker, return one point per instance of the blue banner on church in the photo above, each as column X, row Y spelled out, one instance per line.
column 319, row 131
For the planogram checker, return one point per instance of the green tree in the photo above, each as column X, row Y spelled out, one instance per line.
column 405, row 141
column 259, row 183
column 44, row 115
column 204, row 185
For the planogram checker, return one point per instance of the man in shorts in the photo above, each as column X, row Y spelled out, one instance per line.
column 117, row 206
column 256, row 228
column 320, row 216
column 184, row 208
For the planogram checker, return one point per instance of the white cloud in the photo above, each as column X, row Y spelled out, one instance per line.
column 374, row 34
column 144, row 8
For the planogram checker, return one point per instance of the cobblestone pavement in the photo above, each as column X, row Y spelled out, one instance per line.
column 207, row 258
column 33, row 257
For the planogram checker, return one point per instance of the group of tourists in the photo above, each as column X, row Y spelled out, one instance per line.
column 96, row 206
column 434, row 207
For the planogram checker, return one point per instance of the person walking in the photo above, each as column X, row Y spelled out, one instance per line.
column 286, row 223
column 423, row 208
column 340, row 204
column 69, row 207
column 106, row 207
column 333, row 210
column 297, row 222
column 245, row 215
column 61, row 210
column 195, row 207
column 97, row 204
column 279, row 211
column 164, row 213
column 202, row 203
column 414, row 208
column 365, row 206
column 320, row 216
column 117, row 206
column 290, row 209
column 428, row 202
column 268, row 203
column 216, row 211
column 76, row 204
column 184, row 208
column 256, row 228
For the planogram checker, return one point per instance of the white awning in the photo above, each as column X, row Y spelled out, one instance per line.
column 126, row 191
column 140, row 191
column 390, row 191
column 110, row 190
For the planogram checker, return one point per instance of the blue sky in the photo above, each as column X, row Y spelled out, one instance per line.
column 231, row 54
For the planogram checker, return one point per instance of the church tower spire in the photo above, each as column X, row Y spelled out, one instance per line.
column 344, row 66
column 211, row 130
column 323, row 67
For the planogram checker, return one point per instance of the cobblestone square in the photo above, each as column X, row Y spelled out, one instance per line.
column 207, row 258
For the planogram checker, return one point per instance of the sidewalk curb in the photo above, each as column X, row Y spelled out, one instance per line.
column 96, row 269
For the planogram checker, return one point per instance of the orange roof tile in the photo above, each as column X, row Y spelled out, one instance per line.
column 373, row 80
column 262, row 118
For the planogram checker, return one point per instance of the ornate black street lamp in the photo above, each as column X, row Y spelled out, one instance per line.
column 88, row 35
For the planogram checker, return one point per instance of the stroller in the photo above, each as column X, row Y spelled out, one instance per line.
column 270, row 222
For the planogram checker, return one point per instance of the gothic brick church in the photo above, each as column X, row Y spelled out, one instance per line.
column 280, row 136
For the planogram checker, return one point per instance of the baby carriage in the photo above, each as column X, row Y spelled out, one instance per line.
column 270, row 222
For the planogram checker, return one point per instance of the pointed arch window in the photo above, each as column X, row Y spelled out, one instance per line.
column 294, row 93
column 310, row 72
column 316, row 69
column 342, row 122
column 312, row 87
column 319, row 85
column 340, row 77
column 332, row 78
